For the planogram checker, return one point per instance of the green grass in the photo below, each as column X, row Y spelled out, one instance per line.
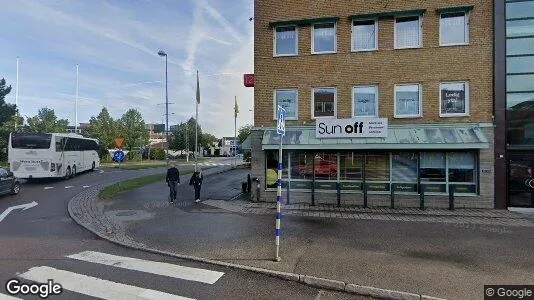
column 148, row 164
column 117, row 188
column 3, row 164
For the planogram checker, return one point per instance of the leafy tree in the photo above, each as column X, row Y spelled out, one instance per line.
column 133, row 128
column 103, row 128
column 46, row 121
column 157, row 154
column 243, row 133
column 179, row 141
column 208, row 140
column 7, row 114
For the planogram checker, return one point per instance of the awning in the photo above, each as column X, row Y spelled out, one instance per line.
column 247, row 143
column 434, row 137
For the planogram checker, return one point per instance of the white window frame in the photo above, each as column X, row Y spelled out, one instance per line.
column 313, row 38
column 296, row 41
column 376, row 100
column 275, row 116
column 352, row 38
column 313, row 103
column 466, row 31
column 420, row 101
column 448, row 115
column 420, row 32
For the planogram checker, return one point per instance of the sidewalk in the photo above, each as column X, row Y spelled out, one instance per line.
column 446, row 254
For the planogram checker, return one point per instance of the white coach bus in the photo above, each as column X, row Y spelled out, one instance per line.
column 49, row 155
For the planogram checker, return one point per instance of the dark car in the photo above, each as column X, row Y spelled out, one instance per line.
column 9, row 184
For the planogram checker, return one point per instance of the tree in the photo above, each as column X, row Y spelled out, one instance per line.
column 243, row 133
column 45, row 122
column 133, row 128
column 208, row 140
column 179, row 141
column 7, row 116
column 103, row 128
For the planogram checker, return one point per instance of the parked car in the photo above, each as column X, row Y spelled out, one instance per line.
column 9, row 184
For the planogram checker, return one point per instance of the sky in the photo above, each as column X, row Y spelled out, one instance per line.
column 115, row 44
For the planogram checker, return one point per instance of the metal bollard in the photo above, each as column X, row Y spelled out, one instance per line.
column 422, row 197
column 313, row 194
column 451, row 197
column 257, row 189
column 392, row 196
column 365, row 196
column 338, row 187
column 287, row 192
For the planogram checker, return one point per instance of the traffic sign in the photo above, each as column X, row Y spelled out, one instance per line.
column 118, row 155
column 281, row 124
column 119, row 141
column 248, row 80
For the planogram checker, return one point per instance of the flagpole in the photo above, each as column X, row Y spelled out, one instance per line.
column 235, row 130
column 17, row 96
column 196, row 124
column 76, row 106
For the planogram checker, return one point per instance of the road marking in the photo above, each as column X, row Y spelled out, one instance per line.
column 7, row 297
column 86, row 186
column 101, row 171
column 48, row 187
column 68, row 187
column 23, row 206
column 158, row 268
column 93, row 286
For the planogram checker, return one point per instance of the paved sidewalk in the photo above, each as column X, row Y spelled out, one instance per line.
column 446, row 254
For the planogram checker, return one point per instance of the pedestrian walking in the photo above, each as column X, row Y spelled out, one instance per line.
column 196, row 182
column 172, row 179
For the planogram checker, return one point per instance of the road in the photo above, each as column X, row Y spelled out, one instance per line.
column 43, row 242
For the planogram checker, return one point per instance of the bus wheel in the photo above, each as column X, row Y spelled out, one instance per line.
column 73, row 171
column 93, row 167
column 67, row 174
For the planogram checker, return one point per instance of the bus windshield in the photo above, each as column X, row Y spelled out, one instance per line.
column 31, row 141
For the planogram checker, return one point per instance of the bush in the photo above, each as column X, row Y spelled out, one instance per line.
column 247, row 157
column 106, row 158
column 133, row 156
column 157, row 154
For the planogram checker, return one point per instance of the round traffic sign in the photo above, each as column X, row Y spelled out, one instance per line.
column 118, row 155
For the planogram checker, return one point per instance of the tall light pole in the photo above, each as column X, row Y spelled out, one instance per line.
column 17, row 95
column 162, row 53
column 76, row 105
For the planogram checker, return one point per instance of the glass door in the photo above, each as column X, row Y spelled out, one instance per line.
column 521, row 179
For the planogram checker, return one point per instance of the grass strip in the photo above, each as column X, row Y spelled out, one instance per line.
column 122, row 186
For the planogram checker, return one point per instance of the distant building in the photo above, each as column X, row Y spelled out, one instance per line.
column 82, row 128
column 227, row 147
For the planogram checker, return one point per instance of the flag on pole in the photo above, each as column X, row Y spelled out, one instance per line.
column 236, row 108
column 198, row 90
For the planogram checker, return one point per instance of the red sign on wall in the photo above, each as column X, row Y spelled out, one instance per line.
column 249, row 80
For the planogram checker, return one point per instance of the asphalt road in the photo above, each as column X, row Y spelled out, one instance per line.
column 36, row 242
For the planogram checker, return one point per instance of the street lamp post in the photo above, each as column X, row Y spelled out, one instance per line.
column 162, row 53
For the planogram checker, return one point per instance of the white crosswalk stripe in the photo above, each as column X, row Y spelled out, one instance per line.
column 93, row 286
column 7, row 297
column 154, row 267
column 107, row 289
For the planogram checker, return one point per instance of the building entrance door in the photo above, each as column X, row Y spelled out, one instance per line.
column 520, row 179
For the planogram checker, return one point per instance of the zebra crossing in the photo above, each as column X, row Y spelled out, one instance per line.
column 107, row 289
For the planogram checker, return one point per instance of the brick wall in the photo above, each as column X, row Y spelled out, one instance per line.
column 428, row 65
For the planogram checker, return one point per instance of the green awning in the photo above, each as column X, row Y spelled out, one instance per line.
column 247, row 143
column 389, row 14
column 455, row 9
column 303, row 21
column 421, row 137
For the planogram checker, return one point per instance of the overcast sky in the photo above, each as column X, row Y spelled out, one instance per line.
column 115, row 44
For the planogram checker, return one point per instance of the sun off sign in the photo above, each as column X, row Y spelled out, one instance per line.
column 351, row 128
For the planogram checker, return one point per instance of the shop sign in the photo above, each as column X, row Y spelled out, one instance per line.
column 405, row 187
column 377, row 187
column 326, row 186
column 301, row 185
column 351, row 128
column 350, row 186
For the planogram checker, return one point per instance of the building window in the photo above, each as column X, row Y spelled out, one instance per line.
column 454, row 99
column 520, row 64
column 377, row 172
column 271, row 170
column 364, row 35
column 432, row 172
column 454, row 29
column 404, row 171
column 288, row 99
column 324, row 102
column 326, row 166
column 408, row 32
column 407, row 101
column 365, row 101
column 520, row 9
column 324, row 38
column 462, row 171
column 285, row 41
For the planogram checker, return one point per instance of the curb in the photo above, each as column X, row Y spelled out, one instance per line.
column 317, row 282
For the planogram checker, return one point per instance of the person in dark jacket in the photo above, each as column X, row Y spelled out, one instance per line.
column 196, row 182
column 173, row 178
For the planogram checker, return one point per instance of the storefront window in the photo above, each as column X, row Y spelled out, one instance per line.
column 271, row 172
column 326, row 166
column 461, row 167
column 433, row 167
column 404, row 167
column 351, row 166
column 301, row 165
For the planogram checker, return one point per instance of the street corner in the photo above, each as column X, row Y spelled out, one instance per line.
column 129, row 215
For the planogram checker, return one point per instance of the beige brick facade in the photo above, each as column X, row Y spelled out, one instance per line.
column 428, row 65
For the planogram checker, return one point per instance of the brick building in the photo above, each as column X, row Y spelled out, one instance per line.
column 414, row 77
